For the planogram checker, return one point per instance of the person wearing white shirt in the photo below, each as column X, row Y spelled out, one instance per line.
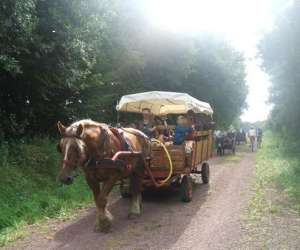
column 252, row 132
column 252, row 136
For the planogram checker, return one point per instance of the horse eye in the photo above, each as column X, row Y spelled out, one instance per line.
column 58, row 148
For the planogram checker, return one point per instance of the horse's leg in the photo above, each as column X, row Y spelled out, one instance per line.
column 95, row 187
column 104, row 217
column 136, row 197
column 136, row 185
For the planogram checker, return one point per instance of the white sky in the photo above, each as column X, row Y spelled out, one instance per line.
column 243, row 22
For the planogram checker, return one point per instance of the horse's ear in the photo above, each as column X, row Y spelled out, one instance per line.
column 79, row 130
column 61, row 128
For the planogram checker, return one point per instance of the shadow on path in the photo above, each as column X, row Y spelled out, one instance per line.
column 163, row 220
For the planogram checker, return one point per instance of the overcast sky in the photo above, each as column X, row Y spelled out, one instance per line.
column 243, row 22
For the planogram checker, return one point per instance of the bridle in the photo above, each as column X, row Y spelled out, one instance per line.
column 66, row 162
column 69, row 163
column 103, row 146
column 103, row 142
column 72, row 166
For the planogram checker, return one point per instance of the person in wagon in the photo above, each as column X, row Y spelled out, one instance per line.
column 163, row 132
column 182, row 130
column 147, row 124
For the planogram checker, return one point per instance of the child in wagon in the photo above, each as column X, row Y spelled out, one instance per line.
column 182, row 130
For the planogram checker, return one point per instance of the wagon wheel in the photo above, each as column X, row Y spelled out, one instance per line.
column 205, row 173
column 125, row 189
column 186, row 189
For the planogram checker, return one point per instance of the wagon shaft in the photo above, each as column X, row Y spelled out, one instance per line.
column 121, row 161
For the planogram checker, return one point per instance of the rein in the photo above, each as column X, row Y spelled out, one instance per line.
column 103, row 141
column 136, row 134
column 103, row 146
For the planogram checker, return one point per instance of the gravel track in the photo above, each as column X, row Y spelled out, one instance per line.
column 211, row 221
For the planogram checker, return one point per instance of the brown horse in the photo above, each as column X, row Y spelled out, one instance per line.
column 87, row 144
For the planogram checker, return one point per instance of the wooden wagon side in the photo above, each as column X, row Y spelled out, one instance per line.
column 186, row 159
column 202, row 147
column 160, row 166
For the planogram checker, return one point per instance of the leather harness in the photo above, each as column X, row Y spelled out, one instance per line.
column 105, row 160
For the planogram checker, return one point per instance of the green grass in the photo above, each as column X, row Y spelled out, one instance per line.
column 284, row 159
column 29, row 191
column 277, row 168
column 276, row 192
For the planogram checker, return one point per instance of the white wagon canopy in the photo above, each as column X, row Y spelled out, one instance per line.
column 163, row 103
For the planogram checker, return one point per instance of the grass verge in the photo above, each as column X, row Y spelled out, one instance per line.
column 272, row 217
column 277, row 167
column 28, row 188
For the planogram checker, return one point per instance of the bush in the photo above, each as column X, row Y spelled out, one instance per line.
column 28, row 187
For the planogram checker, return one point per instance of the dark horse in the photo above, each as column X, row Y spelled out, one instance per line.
column 224, row 142
column 241, row 137
column 88, row 144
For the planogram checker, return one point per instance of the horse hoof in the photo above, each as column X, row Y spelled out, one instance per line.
column 103, row 226
column 133, row 216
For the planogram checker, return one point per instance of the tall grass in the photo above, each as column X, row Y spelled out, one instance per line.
column 28, row 188
column 276, row 196
column 278, row 162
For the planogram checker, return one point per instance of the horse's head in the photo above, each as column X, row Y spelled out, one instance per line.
column 74, row 153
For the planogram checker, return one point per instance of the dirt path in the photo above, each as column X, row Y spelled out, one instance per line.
column 210, row 221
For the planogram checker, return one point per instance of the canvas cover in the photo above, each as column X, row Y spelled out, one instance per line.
column 163, row 103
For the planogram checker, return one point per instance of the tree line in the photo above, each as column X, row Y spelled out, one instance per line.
column 281, row 59
column 67, row 60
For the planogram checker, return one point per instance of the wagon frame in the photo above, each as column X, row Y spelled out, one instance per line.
column 185, row 164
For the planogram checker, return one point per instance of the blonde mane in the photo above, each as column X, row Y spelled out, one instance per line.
column 72, row 129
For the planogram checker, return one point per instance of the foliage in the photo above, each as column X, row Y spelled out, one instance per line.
column 65, row 60
column 281, row 58
column 278, row 163
column 217, row 76
column 276, row 196
column 49, row 60
column 28, row 187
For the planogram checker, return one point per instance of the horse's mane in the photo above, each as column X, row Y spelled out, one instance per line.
column 72, row 129
column 108, row 144
column 88, row 123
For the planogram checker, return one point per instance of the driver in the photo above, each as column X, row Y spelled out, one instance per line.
column 147, row 125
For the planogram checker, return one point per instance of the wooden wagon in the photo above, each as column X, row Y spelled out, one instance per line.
column 168, row 164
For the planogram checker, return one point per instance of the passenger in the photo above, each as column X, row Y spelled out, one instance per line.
column 200, row 121
column 182, row 130
column 195, row 122
column 147, row 125
column 207, row 121
column 162, row 128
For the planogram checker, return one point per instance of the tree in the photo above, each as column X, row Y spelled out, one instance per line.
column 50, row 57
column 281, row 57
column 66, row 60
